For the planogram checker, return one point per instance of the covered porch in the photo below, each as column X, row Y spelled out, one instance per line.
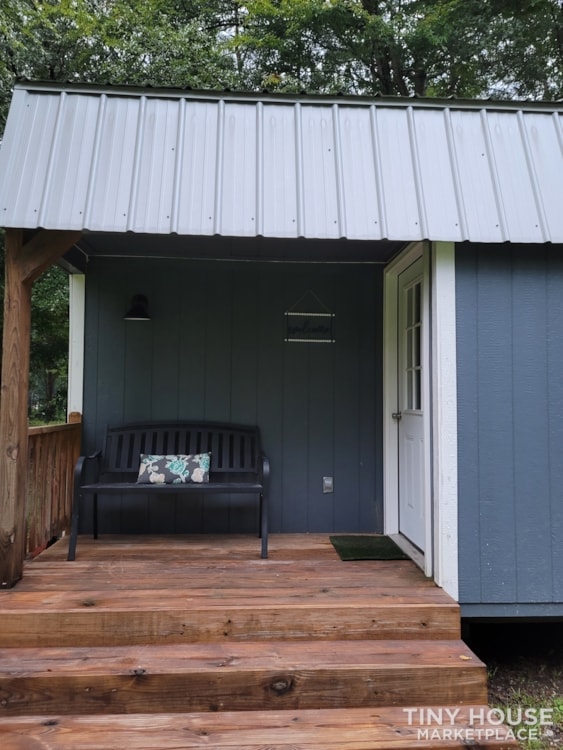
column 254, row 235
column 228, row 211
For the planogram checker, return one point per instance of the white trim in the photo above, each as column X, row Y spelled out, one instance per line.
column 77, row 299
column 390, row 401
column 428, row 411
column 444, row 411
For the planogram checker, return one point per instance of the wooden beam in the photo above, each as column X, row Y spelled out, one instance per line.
column 13, row 412
column 24, row 263
column 43, row 250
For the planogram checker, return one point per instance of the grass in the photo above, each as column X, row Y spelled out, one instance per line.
column 515, row 704
column 525, row 669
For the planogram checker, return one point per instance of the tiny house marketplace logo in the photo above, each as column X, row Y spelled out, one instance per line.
column 474, row 724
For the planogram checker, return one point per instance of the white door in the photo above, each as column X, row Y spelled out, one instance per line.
column 410, row 415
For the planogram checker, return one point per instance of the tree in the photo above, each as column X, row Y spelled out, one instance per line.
column 526, row 56
column 163, row 44
column 464, row 48
column 49, row 347
column 290, row 45
column 11, row 50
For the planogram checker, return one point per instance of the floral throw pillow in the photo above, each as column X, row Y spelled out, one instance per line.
column 174, row 469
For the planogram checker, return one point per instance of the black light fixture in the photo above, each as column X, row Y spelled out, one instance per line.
column 138, row 311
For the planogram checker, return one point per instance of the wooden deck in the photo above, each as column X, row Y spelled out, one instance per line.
column 190, row 642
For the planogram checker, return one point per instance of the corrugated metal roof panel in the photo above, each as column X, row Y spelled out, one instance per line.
column 194, row 205
column 280, row 210
column 362, row 207
column 399, row 173
column 476, row 204
column 148, row 162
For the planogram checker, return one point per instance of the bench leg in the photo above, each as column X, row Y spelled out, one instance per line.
column 264, row 526
column 74, row 527
column 95, row 516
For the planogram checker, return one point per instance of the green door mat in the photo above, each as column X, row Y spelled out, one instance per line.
column 366, row 547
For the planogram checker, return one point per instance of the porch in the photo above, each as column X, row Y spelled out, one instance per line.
column 194, row 641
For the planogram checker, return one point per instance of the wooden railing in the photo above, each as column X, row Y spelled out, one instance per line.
column 52, row 455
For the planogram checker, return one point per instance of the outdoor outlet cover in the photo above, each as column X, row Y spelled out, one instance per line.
column 328, row 485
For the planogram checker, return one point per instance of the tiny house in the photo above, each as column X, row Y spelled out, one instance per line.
column 376, row 283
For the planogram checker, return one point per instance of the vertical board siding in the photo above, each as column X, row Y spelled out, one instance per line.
column 554, row 301
column 347, row 439
column 370, row 379
column 532, row 516
column 495, row 428
column 215, row 350
column 510, row 423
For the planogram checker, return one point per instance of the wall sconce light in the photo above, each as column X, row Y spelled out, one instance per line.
column 138, row 311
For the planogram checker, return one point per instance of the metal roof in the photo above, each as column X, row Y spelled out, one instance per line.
column 162, row 162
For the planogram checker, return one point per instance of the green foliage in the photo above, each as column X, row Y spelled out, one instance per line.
column 527, row 58
column 290, row 45
column 49, row 347
column 160, row 43
column 49, row 343
column 458, row 48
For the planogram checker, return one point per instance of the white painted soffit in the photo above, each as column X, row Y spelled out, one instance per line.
column 118, row 160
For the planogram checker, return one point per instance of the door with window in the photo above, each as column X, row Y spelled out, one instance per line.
column 411, row 406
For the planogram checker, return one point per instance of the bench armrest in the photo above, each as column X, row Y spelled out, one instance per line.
column 80, row 468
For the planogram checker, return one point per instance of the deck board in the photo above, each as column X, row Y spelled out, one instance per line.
column 221, row 573
column 321, row 729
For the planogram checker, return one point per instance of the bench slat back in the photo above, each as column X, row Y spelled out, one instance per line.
column 234, row 449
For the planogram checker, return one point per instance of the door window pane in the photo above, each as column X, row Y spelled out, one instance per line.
column 413, row 346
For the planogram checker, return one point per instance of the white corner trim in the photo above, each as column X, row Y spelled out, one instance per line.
column 77, row 298
column 444, row 417
column 390, row 445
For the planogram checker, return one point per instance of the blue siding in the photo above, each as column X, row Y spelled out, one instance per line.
column 510, row 424
column 215, row 350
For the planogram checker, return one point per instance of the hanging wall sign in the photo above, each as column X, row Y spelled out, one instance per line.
column 308, row 326
column 312, row 328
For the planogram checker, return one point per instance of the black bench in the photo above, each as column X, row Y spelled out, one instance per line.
column 237, row 466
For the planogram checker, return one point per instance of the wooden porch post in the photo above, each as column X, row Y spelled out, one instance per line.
column 24, row 263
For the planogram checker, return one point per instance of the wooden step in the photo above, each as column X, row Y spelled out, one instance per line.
column 343, row 729
column 95, row 618
column 169, row 601
column 242, row 676
column 57, row 575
